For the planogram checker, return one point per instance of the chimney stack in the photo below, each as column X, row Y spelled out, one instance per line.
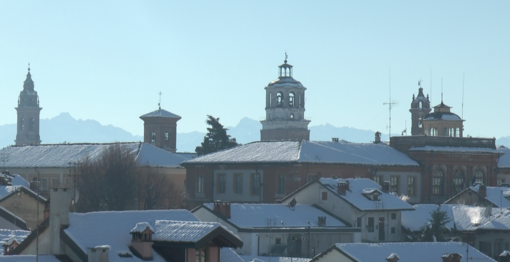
column 377, row 137
column 482, row 190
column 393, row 257
column 222, row 208
column 141, row 239
column 342, row 187
column 98, row 253
column 60, row 199
column 505, row 256
column 322, row 221
column 386, row 187
column 451, row 257
column 335, row 139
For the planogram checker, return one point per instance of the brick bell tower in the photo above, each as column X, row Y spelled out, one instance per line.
column 28, row 114
column 285, row 108
column 160, row 129
column 420, row 107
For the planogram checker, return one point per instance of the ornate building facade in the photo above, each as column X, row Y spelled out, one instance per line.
column 28, row 114
column 285, row 108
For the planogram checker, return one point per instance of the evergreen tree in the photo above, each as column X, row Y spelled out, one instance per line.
column 216, row 138
column 436, row 226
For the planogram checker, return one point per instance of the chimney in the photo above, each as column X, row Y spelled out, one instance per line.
column 335, row 139
column 393, row 257
column 141, row 239
column 451, row 257
column 386, row 187
column 505, row 256
column 482, row 190
column 98, row 253
column 222, row 208
column 342, row 187
column 377, row 137
column 59, row 216
column 322, row 221
column 46, row 211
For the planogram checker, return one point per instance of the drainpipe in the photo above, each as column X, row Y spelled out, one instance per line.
column 430, row 175
column 37, row 217
column 260, row 183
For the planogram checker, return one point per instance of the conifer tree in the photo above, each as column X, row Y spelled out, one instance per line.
column 216, row 138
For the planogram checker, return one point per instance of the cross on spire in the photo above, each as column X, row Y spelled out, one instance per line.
column 159, row 104
column 28, row 67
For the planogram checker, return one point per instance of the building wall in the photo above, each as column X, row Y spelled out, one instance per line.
column 25, row 207
column 335, row 256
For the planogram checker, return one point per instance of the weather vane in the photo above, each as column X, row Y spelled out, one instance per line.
column 286, row 56
column 159, row 104
column 419, row 82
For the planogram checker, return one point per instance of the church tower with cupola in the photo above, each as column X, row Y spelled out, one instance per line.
column 420, row 107
column 160, row 129
column 285, row 108
column 28, row 114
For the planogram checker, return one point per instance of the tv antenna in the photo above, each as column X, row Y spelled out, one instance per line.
column 159, row 104
column 390, row 103
column 462, row 96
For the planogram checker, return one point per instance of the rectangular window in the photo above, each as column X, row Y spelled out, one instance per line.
column 378, row 180
column 54, row 182
column 370, row 224
column 200, row 184
column 393, row 216
column 278, row 241
column 324, row 196
column 393, row 230
column 281, row 185
column 166, row 136
column 501, row 181
column 394, row 184
column 44, row 184
column 334, row 176
column 255, row 184
column 238, row 183
column 222, row 181
column 153, row 137
column 411, row 186
column 68, row 181
column 357, row 177
column 358, row 222
column 201, row 255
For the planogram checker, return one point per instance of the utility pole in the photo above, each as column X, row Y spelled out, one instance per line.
column 389, row 103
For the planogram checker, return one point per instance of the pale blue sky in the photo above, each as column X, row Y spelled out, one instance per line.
column 107, row 60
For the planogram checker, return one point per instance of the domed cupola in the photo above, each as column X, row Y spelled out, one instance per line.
column 285, row 108
column 420, row 107
column 442, row 122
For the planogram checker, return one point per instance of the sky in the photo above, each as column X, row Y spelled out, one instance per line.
column 108, row 60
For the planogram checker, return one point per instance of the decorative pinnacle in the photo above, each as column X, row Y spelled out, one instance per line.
column 286, row 56
column 28, row 67
column 159, row 104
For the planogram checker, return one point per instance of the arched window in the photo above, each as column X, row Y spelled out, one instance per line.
column 420, row 104
column 31, row 125
column 457, row 132
column 438, row 182
column 279, row 99
column 270, row 97
column 479, row 176
column 22, row 124
column 458, row 181
column 153, row 137
column 291, row 99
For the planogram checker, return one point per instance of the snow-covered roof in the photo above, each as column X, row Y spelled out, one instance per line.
column 7, row 235
column 341, row 152
column 61, row 155
column 112, row 228
column 468, row 218
column 140, row 227
column 277, row 216
column 16, row 182
column 455, row 149
column 415, row 220
column 185, row 231
column 499, row 196
column 442, row 116
column 504, row 160
column 30, row 258
column 227, row 254
column 355, row 195
column 248, row 258
column 160, row 113
column 417, row 251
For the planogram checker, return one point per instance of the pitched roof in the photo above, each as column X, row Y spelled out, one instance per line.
column 308, row 152
column 504, row 160
column 12, row 218
column 278, row 216
column 418, row 218
column 499, row 196
column 468, row 218
column 417, row 251
column 355, row 195
column 10, row 235
column 160, row 113
column 30, row 258
column 249, row 258
column 61, row 155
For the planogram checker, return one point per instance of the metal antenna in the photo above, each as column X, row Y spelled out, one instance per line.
column 159, row 104
column 389, row 102
column 441, row 90
column 430, row 97
column 462, row 96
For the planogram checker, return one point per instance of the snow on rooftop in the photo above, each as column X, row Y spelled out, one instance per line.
column 309, row 152
column 415, row 220
column 248, row 258
column 229, row 255
column 277, row 215
column 504, row 160
column 496, row 195
column 7, row 235
column 61, row 155
column 16, row 182
column 356, row 197
column 185, row 231
column 112, row 228
column 30, row 258
column 353, row 153
column 455, row 149
column 417, row 251
column 468, row 218
column 161, row 113
column 140, row 227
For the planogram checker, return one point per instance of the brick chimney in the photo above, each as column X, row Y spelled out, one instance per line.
column 451, row 257
column 98, row 253
column 222, row 208
column 10, row 245
column 141, row 239
column 60, row 199
column 342, row 187
column 377, row 137
column 393, row 257
column 322, row 221
column 505, row 256
column 482, row 190
column 386, row 187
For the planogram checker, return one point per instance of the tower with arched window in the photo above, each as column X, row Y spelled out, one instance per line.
column 160, row 129
column 420, row 107
column 442, row 122
column 285, row 108
column 28, row 114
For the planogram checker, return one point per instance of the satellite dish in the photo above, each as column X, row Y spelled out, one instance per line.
column 76, row 197
column 293, row 203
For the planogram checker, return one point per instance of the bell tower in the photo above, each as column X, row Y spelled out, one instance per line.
column 28, row 114
column 285, row 108
column 420, row 107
